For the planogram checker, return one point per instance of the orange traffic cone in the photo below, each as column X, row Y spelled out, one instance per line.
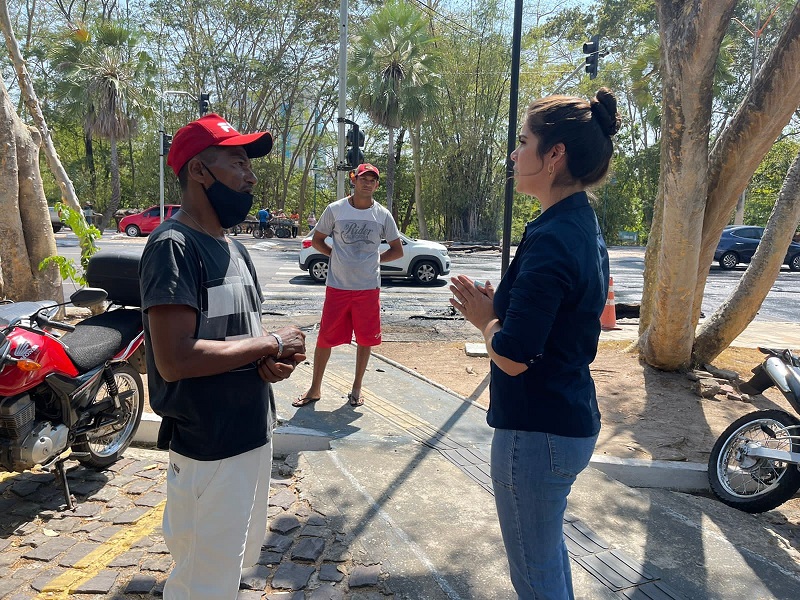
column 608, row 320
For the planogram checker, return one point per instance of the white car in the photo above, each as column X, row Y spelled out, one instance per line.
column 422, row 260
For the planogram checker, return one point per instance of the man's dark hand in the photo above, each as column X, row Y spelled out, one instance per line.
column 294, row 341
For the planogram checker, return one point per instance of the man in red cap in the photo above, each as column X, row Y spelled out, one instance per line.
column 210, row 365
column 356, row 224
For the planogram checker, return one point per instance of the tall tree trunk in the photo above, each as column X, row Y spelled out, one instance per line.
column 32, row 102
column 113, row 203
column 26, row 235
column 390, row 171
column 736, row 313
column 691, row 33
column 737, row 152
column 413, row 132
column 89, row 146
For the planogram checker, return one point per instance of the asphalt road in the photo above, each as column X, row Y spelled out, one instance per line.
column 290, row 291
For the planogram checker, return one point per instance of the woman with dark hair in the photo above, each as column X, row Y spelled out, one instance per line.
column 541, row 328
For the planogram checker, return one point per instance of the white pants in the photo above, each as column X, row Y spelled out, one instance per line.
column 215, row 522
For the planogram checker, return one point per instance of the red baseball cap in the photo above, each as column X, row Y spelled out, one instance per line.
column 212, row 130
column 367, row 168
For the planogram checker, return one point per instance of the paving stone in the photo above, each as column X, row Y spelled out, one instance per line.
column 338, row 552
column 84, row 488
column 89, row 526
column 316, row 531
column 280, row 481
column 105, row 493
column 315, row 519
column 50, row 549
column 285, row 596
column 29, row 509
column 99, row 584
column 10, row 557
column 153, row 474
column 26, row 529
column 130, row 558
column 143, row 542
column 158, row 548
column 104, row 534
column 4, row 544
column 284, row 523
column 44, row 578
column 87, row 509
column 364, row 575
column 25, row 488
column 292, row 576
column 119, row 465
column 110, row 515
column 131, row 516
column 151, row 499
column 122, row 502
column 330, row 572
column 254, row 578
column 274, row 511
column 267, row 557
column 249, row 595
column 309, row 549
column 157, row 562
column 120, row 481
column 140, row 584
column 327, row 591
column 158, row 591
column 34, row 540
column 277, row 542
column 284, row 498
column 66, row 524
column 7, row 586
column 77, row 553
column 20, row 596
column 139, row 487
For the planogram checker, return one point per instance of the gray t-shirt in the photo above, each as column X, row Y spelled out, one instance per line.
column 357, row 235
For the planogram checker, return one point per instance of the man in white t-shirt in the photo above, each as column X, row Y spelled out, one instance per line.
column 357, row 224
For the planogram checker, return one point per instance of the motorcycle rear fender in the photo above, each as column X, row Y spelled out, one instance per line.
column 786, row 379
column 131, row 350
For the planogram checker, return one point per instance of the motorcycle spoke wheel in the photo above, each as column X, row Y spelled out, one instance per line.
column 104, row 446
column 752, row 483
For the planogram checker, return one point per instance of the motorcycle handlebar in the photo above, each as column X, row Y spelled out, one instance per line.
column 43, row 321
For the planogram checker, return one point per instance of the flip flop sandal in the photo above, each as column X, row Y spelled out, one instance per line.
column 354, row 400
column 304, row 401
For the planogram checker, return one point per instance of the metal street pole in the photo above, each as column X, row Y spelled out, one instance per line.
column 340, row 174
column 161, row 135
column 512, row 136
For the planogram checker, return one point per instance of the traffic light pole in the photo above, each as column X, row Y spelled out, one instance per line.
column 340, row 172
column 161, row 135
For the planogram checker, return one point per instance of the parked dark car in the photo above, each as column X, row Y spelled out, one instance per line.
column 739, row 242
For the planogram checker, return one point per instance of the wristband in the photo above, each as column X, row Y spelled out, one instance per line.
column 280, row 344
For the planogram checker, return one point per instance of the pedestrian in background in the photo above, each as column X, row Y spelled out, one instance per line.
column 541, row 328
column 295, row 217
column 357, row 224
column 312, row 222
column 210, row 365
column 263, row 219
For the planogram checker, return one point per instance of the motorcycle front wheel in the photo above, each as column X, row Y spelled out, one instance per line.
column 750, row 483
column 105, row 446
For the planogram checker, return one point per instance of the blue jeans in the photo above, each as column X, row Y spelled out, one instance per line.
column 533, row 474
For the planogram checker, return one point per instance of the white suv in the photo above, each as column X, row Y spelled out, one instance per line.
column 422, row 260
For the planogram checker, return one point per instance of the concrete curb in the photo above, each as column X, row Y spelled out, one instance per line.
column 287, row 439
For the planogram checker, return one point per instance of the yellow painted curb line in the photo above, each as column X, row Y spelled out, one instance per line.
column 94, row 562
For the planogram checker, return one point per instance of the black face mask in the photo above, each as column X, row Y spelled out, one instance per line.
column 231, row 206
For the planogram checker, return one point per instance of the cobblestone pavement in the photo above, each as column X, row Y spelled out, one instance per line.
column 111, row 546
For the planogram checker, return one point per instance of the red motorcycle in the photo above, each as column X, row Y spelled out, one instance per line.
column 78, row 394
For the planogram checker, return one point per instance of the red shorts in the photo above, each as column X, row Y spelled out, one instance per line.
column 350, row 311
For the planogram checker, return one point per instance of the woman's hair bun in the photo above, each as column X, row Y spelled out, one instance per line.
column 604, row 109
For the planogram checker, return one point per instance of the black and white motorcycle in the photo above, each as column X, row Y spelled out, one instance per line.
column 754, row 463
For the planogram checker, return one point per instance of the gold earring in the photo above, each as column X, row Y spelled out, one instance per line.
column 550, row 170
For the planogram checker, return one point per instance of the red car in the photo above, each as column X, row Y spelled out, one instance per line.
column 146, row 221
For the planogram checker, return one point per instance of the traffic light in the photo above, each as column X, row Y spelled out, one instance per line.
column 166, row 142
column 592, row 51
column 202, row 103
column 355, row 139
column 354, row 156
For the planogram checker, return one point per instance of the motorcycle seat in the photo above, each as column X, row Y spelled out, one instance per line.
column 98, row 338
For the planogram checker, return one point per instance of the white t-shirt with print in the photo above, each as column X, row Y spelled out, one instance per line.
column 357, row 235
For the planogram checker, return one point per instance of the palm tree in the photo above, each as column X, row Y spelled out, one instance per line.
column 394, row 79
column 111, row 83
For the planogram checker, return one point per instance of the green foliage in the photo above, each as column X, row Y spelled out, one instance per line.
column 767, row 181
column 87, row 236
